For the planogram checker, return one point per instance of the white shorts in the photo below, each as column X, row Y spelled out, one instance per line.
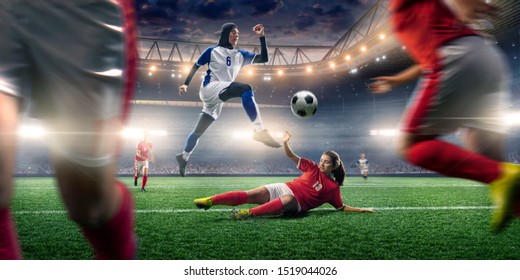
column 278, row 190
column 209, row 95
column 470, row 89
column 139, row 166
column 364, row 170
column 65, row 60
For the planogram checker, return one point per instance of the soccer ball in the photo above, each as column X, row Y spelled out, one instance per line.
column 304, row 104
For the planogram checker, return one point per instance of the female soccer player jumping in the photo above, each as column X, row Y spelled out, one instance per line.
column 319, row 184
column 218, row 86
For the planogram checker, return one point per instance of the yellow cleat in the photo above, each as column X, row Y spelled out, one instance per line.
column 504, row 192
column 243, row 214
column 203, row 203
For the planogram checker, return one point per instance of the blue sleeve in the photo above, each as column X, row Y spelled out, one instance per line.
column 205, row 57
column 248, row 57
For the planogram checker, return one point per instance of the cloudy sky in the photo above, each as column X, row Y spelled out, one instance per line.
column 287, row 22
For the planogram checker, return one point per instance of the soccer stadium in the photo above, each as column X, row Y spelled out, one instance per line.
column 419, row 215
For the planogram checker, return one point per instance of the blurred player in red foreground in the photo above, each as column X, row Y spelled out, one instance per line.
column 319, row 184
column 73, row 63
column 143, row 155
column 464, row 84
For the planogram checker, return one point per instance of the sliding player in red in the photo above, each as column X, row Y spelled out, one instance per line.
column 464, row 84
column 319, row 184
column 143, row 155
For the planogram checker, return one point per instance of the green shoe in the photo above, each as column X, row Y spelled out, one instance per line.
column 203, row 203
column 243, row 214
column 504, row 192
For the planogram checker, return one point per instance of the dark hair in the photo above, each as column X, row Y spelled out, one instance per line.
column 338, row 168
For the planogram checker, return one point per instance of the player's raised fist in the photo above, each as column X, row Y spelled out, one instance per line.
column 259, row 29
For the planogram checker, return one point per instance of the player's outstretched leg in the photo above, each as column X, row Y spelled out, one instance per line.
column 266, row 138
column 245, row 92
column 505, row 193
column 182, row 164
column 203, row 123
column 203, row 203
column 229, row 198
column 239, row 215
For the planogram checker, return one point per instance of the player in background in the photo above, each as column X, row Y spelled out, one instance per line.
column 143, row 155
column 218, row 86
column 362, row 164
column 464, row 84
column 73, row 64
column 319, row 184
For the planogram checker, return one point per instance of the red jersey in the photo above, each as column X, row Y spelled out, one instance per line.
column 143, row 147
column 313, row 188
column 424, row 26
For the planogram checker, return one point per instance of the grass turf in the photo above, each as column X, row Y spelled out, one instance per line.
column 410, row 223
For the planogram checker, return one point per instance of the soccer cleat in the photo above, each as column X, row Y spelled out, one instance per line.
column 182, row 164
column 135, row 183
column 505, row 193
column 266, row 138
column 203, row 203
column 143, row 190
column 243, row 214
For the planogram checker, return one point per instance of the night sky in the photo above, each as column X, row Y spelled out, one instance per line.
column 289, row 22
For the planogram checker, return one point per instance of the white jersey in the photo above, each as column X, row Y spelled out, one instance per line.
column 223, row 64
column 363, row 164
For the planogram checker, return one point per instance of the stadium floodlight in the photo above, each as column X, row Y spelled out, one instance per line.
column 384, row 132
column 363, row 49
column 280, row 72
column 382, row 36
column 26, row 131
column 239, row 134
column 153, row 68
column 348, row 57
column 512, row 119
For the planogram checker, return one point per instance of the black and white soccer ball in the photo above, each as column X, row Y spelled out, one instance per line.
column 304, row 104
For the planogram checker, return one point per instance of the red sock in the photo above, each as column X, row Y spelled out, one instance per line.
column 116, row 238
column 274, row 207
column 453, row 161
column 145, row 179
column 9, row 246
column 230, row 198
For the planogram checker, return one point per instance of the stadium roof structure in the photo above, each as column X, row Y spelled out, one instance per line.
column 368, row 46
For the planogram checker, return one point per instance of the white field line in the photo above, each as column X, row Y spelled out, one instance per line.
column 175, row 211
column 247, row 187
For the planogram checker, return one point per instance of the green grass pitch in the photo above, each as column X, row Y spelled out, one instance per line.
column 417, row 218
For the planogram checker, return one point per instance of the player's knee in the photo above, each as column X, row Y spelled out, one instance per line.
column 88, row 217
column 247, row 92
column 247, row 87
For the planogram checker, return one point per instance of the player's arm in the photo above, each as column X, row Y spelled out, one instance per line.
column 347, row 208
column 288, row 151
column 263, row 57
column 384, row 84
column 184, row 87
column 152, row 155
